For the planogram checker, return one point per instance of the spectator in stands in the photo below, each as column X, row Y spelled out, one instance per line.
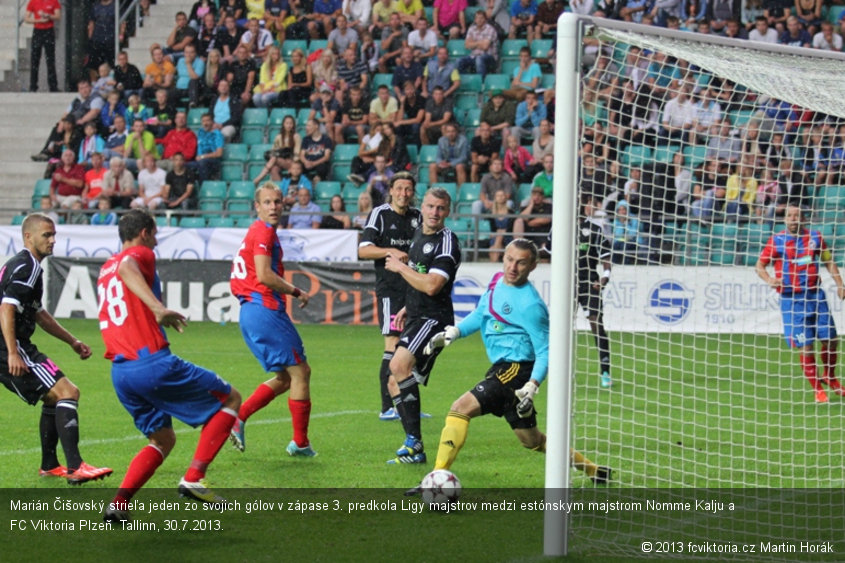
column 256, row 40
column 305, row 214
column 795, row 34
column 827, row 39
column 546, row 21
column 180, row 185
column 42, row 15
column 86, row 106
column 179, row 140
column 151, row 181
column 398, row 160
column 291, row 185
column 411, row 114
column 394, row 38
column 452, row 155
column 101, row 34
column 409, row 11
column 322, row 17
column 240, row 75
column 358, row 13
column 678, row 117
column 163, row 112
column 116, row 139
column 104, row 215
column 407, row 70
column 200, row 9
column 496, row 180
column 300, row 79
column 91, row 143
column 365, row 206
column 76, row 216
column 228, row 39
column 285, row 151
column 626, row 234
column 740, row 193
column 734, row 30
column 136, row 110
column 384, row 107
column 724, row 145
column 544, row 143
column 343, row 37
column 762, row 32
column 215, row 70
column 209, row 150
column 809, row 14
column 534, row 221
column 423, row 41
column 139, row 142
column 324, row 110
column 708, row 193
column 272, row 79
column 275, row 14
column 127, row 77
column 351, row 71
column 45, row 206
column 483, row 148
column 369, row 51
column 180, row 37
column 324, row 72
column 499, row 113
column 449, row 18
column 104, row 82
column 482, row 41
column 207, row 36
column 501, row 224
column 518, row 162
column 544, row 178
column 338, row 219
column 111, row 109
column 235, row 9
column 93, row 181
column 438, row 112
column 525, row 77
column 160, row 73
column 316, row 152
column 523, row 18
column 708, row 111
column 67, row 182
column 189, row 74
column 227, row 112
column 529, row 114
column 378, row 182
column 353, row 117
column 381, row 15
column 118, row 183
column 440, row 72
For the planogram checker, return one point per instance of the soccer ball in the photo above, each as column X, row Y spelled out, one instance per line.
column 440, row 486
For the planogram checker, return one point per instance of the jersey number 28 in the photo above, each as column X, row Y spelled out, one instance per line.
column 111, row 297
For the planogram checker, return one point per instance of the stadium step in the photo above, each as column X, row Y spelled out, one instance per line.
column 156, row 28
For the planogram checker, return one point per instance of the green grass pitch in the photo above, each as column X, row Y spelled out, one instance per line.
column 651, row 428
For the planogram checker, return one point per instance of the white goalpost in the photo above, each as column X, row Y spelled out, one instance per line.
column 695, row 144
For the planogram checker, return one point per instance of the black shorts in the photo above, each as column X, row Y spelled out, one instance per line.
column 496, row 393
column 389, row 303
column 30, row 387
column 416, row 335
column 590, row 299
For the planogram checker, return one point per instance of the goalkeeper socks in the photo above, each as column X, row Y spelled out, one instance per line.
column 409, row 394
column 142, row 467
column 808, row 364
column 829, row 357
column 214, row 434
column 49, row 438
column 67, row 427
column 603, row 345
column 300, row 413
column 452, row 438
column 259, row 399
column 581, row 463
column 383, row 376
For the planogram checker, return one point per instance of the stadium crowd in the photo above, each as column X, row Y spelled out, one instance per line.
column 329, row 99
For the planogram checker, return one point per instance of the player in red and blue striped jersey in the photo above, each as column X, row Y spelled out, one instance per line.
column 796, row 253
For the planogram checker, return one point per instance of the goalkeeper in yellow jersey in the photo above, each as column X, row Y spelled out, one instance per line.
column 514, row 325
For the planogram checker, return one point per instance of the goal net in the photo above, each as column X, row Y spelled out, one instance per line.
column 694, row 147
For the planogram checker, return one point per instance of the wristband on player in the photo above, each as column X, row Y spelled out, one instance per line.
column 606, row 274
column 296, row 292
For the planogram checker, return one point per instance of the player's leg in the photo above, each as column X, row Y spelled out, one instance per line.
column 825, row 331
column 603, row 345
column 405, row 394
column 454, row 433
column 535, row 440
column 798, row 318
column 299, row 403
column 388, row 306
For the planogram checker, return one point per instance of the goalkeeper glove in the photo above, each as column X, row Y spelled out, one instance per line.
column 442, row 339
column 525, row 406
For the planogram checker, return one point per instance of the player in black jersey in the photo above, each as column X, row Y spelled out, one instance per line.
column 433, row 260
column 388, row 232
column 28, row 373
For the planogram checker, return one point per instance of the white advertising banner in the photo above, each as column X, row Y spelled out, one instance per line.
column 80, row 241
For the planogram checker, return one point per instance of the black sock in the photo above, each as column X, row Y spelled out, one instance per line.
column 603, row 344
column 409, row 392
column 67, row 426
column 49, row 438
column 383, row 376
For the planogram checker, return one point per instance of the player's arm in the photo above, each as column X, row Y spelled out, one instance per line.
column 7, row 324
column 52, row 327
column 763, row 263
column 266, row 276
column 430, row 283
column 373, row 252
column 827, row 260
column 132, row 277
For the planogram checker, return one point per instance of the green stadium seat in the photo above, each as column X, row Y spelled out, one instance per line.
column 253, row 170
column 290, row 45
column 218, row 222
column 241, row 189
column 274, row 122
column 195, row 117
column 457, row 49
column 547, row 81
column 428, row 154
column 350, row 194
column 243, row 222
column 723, row 244
column 239, row 207
column 414, row 153
column 254, row 118
column 211, row 205
column 385, row 79
column 470, row 83
column 523, row 192
column 450, row 187
column 212, row 190
column 42, row 187
column 163, row 221
column 317, row 44
column 466, row 100
column 340, row 171
column 510, row 49
column 192, row 222
column 18, row 219
column 509, row 66
column 422, row 174
column 540, row 48
column 493, row 81
column 344, row 153
column 834, row 13
column 256, row 153
column 665, row 153
column 235, row 152
column 469, row 192
column 232, row 171
column 740, row 117
column 252, row 136
column 637, row 155
column 325, row 190
column 302, row 117
column 472, row 118
column 694, row 156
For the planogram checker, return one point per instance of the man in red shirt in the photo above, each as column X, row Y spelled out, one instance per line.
column 94, row 181
column 68, row 181
column 151, row 383
column 42, row 14
column 180, row 139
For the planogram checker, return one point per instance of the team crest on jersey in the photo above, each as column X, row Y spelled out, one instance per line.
column 415, row 222
column 585, row 232
column 506, row 308
column 812, row 244
column 428, row 247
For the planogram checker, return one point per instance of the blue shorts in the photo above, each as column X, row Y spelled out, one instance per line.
column 806, row 317
column 271, row 337
column 161, row 385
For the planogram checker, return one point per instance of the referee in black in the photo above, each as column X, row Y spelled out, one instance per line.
column 28, row 373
